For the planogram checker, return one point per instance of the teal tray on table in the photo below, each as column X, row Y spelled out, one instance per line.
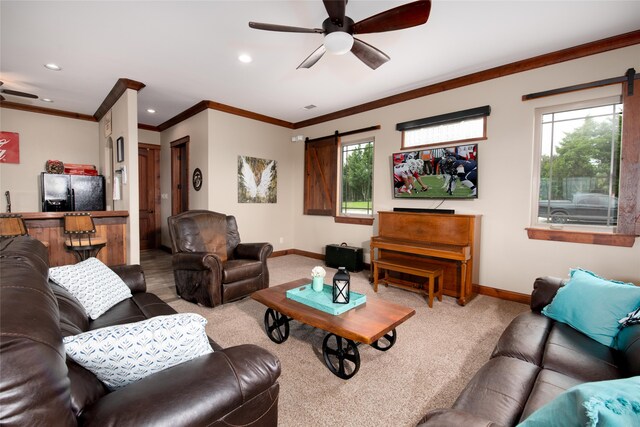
column 324, row 300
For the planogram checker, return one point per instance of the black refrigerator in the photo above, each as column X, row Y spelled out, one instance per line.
column 65, row 193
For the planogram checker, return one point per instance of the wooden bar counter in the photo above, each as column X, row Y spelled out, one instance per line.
column 48, row 227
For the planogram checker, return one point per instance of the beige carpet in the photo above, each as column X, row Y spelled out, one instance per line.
column 435, row 355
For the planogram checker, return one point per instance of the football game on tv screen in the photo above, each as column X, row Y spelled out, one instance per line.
column 436, row 173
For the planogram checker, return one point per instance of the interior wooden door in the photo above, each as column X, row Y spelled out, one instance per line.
column 149, row 195
column 179, row 175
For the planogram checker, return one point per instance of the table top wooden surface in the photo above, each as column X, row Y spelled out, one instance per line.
column 366, row 323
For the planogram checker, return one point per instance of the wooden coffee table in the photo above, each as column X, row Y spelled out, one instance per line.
column 373, row 323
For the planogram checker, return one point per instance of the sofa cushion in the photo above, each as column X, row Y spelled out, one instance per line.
column 94, row 284
column 33, row 375
column 139, row 307
column 239, row 269
column 524, row 338
column 196, row 392
column 200, row 231
column 593, row 305
column 629, row 345
column 73, row 317
column 549, row 385
column 120, row 355
column 499, row 390
column 603, row 403
column 575, row 354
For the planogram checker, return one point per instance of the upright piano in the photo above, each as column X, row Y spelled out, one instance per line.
column 449, row 240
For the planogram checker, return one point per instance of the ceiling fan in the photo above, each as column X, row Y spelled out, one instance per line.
column 16, row 93
column 339, row 29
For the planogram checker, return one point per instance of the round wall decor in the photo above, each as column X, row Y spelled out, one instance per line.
column 197, row 179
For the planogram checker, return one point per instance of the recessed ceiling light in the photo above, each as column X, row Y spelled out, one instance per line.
column 151, row 110
column 52, row 67
column 46, row 100
column 245, row 58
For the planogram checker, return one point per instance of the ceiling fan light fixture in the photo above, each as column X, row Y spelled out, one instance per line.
column 338, row 42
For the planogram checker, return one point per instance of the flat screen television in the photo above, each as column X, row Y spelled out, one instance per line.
column 436, row 173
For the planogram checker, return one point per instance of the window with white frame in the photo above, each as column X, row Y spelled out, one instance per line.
column 578, row 164
column 356, row 178
column 459, row 126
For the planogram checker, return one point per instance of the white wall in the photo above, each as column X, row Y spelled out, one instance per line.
column 216, row 141
column 508, row 259
column 235, row 136
column 148, row 137
column 42, row 137
column 124, row 124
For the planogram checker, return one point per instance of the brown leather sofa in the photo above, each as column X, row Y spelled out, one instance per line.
column 210, row 264
column 39, row 386
column 535, row 360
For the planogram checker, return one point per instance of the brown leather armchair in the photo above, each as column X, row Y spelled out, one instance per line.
column 210, row 265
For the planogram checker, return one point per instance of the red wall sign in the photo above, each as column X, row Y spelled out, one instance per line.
column 9, row 147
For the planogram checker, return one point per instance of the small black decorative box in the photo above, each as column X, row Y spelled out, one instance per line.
column 343, row 256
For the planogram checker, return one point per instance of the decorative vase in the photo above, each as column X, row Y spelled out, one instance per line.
column 317, row 284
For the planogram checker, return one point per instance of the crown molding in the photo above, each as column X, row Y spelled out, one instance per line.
column 49, row 111
column 204, row 105
column 148, row 127
column 116, row 92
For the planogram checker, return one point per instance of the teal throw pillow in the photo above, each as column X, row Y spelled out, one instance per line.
column 593, row 305
column 614, row 403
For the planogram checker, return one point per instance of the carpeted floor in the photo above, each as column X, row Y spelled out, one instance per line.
column 436, row 353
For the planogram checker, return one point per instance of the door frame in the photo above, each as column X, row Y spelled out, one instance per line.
column 179, row 175
column 155, row 149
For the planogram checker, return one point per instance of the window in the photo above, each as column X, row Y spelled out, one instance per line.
column 578, row 148
column 460, row 126
column 356, row 178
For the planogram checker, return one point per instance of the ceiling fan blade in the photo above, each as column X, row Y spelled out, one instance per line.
column 336, row 10
column 313, row 58
column 405, row 16
column 284, row 28
column 368, row 54
column 2, row 98
column 16, row 93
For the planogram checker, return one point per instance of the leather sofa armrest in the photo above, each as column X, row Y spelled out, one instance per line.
column 197, row 392
column 133, row 276
column 544, row 289
column 196, row 261
column 259, row 251
column 454, row 417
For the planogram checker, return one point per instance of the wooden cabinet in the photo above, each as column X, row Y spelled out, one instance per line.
column 48, row 227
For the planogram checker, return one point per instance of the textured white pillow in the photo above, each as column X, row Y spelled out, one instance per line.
column 96, row 286
column 119, row 355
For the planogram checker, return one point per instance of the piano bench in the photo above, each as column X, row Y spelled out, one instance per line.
column 421, row 269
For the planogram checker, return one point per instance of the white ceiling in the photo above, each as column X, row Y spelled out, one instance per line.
column 186, row 52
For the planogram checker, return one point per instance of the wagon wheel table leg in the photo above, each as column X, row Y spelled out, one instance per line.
column 276, row 326
column 386, row 342
column 341, row 356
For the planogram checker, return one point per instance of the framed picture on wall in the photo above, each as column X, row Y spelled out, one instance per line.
column 120, row 150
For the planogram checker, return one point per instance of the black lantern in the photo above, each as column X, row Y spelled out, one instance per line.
column 341, row 286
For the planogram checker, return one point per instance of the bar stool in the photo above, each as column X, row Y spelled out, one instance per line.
column 12, row 225
column 79, row 226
